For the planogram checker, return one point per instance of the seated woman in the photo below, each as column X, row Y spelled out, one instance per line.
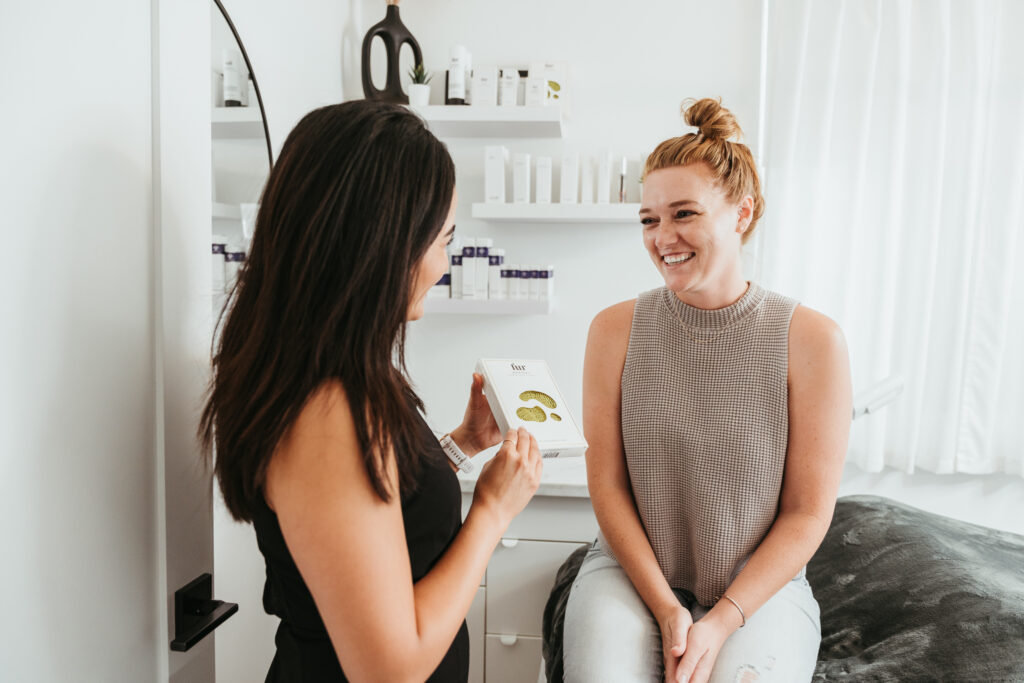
column 319, row 437
column 717, row 414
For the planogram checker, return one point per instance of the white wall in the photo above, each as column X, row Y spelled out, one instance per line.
column 79, row 575
column 296, row 52
column 632, row 65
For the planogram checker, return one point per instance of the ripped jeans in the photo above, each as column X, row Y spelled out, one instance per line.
column 610, row 635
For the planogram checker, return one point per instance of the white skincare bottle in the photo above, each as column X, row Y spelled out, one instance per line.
column 217, row 266
column 232, row 62
column 483, row 261
column 469, row 269
column 504, row 287
column 455, row 267
column 587, row 181
column 536, row 91
column 520, row 178
column 534, row 283
column 509, row 87
column 514, row 273
column 604, row 177
column 468, row 70
column 495, row 157
column 622, row 180
column 455, row 270
column 234, row 257
column 569, row 192
column 455, row 80
column 547, row 283
column 485, row 86
column 543, row 195
column 496, row 260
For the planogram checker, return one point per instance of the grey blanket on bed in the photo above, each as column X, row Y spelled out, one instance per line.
column 905, row 595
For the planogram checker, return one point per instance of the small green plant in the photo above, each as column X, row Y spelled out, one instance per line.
column 419, row 75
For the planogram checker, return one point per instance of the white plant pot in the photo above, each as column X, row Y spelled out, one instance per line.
column 419, row 94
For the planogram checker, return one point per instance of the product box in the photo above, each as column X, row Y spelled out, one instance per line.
column 522, row 393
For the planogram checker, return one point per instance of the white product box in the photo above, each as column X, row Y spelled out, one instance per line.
column 522, row 393
column 536, row 91
column 587, row 181
column 481, row 279
column 604, row 178
column 520, row 178
column 570, row 178
column 554, row 77
column 509, row 87
column 543, row 194
column 495, row 157
column 485, row 86
column 495, row 284
column 469, row 269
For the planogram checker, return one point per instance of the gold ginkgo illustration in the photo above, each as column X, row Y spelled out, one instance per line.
column 536, row 413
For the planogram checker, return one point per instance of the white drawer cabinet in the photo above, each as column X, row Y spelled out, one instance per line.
column 518, row 581
column 512, row 659
column 475, row 624
column 520, row 575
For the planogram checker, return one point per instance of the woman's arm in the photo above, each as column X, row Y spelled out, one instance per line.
column 820, row 405
column 350, row 546
column 607, row 476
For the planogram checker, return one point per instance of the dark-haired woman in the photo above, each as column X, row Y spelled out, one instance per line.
column 319, row 438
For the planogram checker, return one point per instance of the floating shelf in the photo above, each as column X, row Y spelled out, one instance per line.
column 231, row 212
column 457, row 121
column 236, row 123
column 488, row 306
column 557, row 213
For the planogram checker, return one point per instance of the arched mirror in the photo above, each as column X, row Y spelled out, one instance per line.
column 242, row 153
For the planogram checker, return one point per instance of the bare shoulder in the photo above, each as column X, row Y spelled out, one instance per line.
column 613, row 323
column 814, row 338
column 318, row 449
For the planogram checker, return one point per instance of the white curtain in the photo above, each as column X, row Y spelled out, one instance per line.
column 894, row 161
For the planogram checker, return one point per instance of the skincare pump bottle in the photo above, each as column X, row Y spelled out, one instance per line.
column 495, row 271
column 232, row 77
column 455, row 78
column 482, row 276
column 455, row 269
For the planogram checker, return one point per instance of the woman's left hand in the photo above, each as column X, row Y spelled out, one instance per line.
column 478, row 429
column 703, row 642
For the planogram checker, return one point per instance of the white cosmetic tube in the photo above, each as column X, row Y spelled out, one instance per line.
column 520, row 178
column 482, row 259
column 543, row 193
column 495, row 157
column 569, row 191
column 469, row 269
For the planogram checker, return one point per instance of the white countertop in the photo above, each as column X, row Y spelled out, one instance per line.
column 565, row 477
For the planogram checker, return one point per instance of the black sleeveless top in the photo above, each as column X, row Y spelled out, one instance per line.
column 432, row 518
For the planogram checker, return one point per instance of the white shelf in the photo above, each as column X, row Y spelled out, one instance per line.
column 459, row 121
column 557, row 213
column 231, row 212
column 236, row 123
column 488, row 306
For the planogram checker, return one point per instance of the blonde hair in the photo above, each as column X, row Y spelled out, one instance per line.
column 731, row 162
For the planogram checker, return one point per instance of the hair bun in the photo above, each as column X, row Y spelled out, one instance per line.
column 713, row 120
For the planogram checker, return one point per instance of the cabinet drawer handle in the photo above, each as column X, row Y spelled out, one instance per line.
column 509, row 542
column 509, row 641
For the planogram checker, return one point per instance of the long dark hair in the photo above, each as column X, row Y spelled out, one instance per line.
column 358, row 195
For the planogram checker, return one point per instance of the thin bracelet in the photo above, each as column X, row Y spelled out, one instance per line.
column 742, row 615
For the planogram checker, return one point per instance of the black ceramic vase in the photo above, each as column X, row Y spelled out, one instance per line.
column 394, row 34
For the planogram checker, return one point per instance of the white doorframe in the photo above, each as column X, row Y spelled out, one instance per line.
column 182, row 212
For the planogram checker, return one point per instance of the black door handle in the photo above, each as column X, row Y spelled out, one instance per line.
column 196, row 613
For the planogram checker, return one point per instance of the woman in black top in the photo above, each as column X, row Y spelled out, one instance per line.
column 319, row 435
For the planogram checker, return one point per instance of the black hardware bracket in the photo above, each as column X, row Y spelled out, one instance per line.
column 196, row 613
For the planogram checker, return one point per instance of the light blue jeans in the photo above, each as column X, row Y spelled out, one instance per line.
column 611, row 636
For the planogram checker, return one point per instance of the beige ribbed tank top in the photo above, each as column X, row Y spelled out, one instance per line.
column 705, row 424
